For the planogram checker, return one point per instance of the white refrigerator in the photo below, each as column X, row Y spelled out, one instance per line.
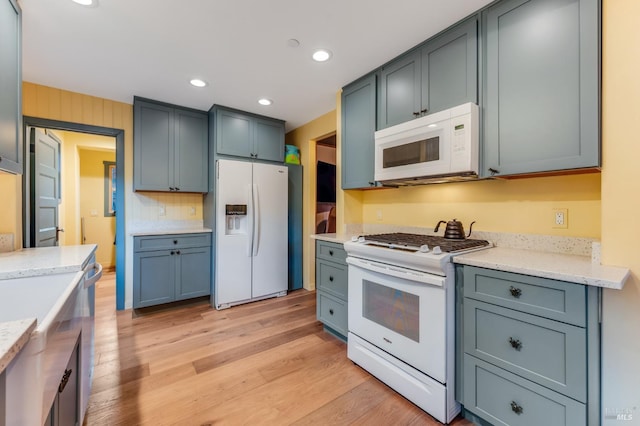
column 251, row 232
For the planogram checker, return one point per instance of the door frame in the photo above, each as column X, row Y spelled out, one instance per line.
column 118, row 134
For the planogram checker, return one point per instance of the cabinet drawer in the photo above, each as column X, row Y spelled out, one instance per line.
column 332, row 278
column 500, row 397
column 159, row 242
column 552, row 299
column 332, row 312
column 548, row 352
column 331, row 251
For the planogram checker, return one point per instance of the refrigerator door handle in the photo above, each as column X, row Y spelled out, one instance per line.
column 250, row 220
column 255, row 235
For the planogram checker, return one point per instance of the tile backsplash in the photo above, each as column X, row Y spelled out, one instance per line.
column 166, row 206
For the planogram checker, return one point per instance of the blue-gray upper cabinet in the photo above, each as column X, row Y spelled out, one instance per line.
column 247, row 135
column 440, row 74
column 10, row 87
column 358, row 127
column 541, row 104
column 170, row 148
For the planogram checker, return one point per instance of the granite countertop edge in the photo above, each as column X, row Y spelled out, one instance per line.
column 38, row 261
column 332, row 238
column 562, row 267
column 14, row 335
column 168, row 231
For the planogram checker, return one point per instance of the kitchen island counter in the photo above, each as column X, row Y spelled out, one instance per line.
column 563, row 267
column 13, row 336
column 32, row 262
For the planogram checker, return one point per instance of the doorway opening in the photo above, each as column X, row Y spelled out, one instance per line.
column 75, row 195
column 326, row 185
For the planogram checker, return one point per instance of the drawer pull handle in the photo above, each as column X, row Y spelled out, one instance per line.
column 331, row 278
column 172, row 253
column 515, row 292
column 331, row 311
column 330, row 252
column 177, row 251
column 516, row 408
column 65, row 380
column 515, row 343
column 175, row 241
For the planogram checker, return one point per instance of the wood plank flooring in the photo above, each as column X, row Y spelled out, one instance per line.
column 264, row 363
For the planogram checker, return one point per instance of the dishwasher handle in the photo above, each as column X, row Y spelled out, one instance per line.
column 88, row 282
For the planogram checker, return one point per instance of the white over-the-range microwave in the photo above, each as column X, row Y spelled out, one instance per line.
column 438, row 147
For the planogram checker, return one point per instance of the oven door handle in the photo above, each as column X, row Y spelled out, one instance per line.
column 403, row 273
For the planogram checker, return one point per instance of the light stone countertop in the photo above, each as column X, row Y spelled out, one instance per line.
column 562, row 267
column 38, row 261
column 13, row 336
column 332, row 238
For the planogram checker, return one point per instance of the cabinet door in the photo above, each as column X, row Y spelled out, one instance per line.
column 68, row 393
column 191, row 151
column 542, row 97
column 153, row 278
column 234, row 134
column 399, row 91
column 358, row 128
column 268, row 140
column 194, row 272
column 153, row 148
column 10, row 87
column 450, row 68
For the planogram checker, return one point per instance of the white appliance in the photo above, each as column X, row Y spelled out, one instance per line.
column 401, row 315
column 442, row 146
column 251, row 232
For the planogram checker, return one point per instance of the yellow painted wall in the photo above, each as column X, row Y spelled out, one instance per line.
column 11, row 208
column 57, row 104
column 98, row 229
column 621, row 205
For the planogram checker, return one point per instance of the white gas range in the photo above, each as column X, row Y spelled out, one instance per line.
column 401, row 314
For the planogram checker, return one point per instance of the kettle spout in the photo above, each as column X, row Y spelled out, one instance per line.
column 438, row 225
column 470, row 226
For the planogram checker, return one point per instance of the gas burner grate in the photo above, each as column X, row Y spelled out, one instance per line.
column 417, row 240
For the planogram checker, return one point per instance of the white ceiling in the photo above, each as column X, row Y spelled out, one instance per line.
column 152, row 48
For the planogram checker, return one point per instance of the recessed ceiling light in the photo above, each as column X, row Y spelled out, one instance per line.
column 198, row 83
column 265, row 101
column 86, row 2
column 321, row 55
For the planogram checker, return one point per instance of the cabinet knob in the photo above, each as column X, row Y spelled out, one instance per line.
column 516, row 408
column 175, row 241
column 331, row 311
column 330, row 252
column 172, row 252
column 177, row 251
column 515, row 343
column 331, row 278
column 515, row 292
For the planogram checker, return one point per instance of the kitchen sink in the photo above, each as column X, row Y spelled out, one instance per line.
column 63, row 305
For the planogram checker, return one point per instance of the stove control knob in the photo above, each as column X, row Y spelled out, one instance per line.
column 354, row 239
column 437, row 250
column 361, row 239
column 424, row 248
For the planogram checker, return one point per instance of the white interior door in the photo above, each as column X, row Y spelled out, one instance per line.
column 45, row 188
column 233, row 238
column 270, row 259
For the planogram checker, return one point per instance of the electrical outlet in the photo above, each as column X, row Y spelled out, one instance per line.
column 192, row 211
column 560, row 218
column 379, row 214
column 162, row 210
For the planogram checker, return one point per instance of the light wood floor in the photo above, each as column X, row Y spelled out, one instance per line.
column 267, row 362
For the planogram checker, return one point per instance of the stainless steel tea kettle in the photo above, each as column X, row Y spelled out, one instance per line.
column 454, row 229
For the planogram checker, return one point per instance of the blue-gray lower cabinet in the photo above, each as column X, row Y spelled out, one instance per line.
column 331, row 287
column 168, row 268
column 542, row 94
column 10, row 87
column 528, row 348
